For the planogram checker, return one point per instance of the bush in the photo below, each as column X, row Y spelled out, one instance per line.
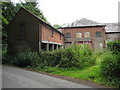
column 7, row 59
column 74, row 56
column 27, row 58
column 47, row 58
column 110, row 67
column 78, row 56
column 114, row 46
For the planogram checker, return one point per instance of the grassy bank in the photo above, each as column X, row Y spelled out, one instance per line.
column 91, row 73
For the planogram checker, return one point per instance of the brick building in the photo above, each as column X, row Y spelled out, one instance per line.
column 28, row 31
column 112, row 30
column 92, row 35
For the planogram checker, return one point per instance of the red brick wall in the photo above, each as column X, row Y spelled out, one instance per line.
column 47, row 35
column 96, row 41
column 92, row 31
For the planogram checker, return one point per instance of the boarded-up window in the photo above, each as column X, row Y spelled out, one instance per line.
column 78, row 35
column 22, row 31
column 98, row 34
column 86, row 34
column 68, row 35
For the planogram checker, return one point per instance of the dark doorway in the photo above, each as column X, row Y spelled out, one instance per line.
column 44, row 46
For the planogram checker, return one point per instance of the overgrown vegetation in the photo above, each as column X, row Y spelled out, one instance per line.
column 114, row 46
column 110, row 68
column 74, row 56
column 110, row 65
column 23, row 59
column 78, row 61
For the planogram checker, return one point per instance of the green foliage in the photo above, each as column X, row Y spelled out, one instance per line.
column 7, row 59
column 114, row 46
column 27, row 58
column 110, row 68
column 7, row 12
column 23, row 59
column 91, row 73
column 74, row 56
column 56, row 26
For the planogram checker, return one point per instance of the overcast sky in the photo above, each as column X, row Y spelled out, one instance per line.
column 67, row 11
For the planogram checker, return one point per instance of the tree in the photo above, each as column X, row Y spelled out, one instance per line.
column 8, row 11
column 56, row 26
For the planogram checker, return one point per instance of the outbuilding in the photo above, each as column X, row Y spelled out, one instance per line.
column 26, row 30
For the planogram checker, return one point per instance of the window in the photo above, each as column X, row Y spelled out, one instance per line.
column 86, row 34
column 78, row 35
column 68, row 35
column 22, row 31
column 52, row 32
column 98, row 34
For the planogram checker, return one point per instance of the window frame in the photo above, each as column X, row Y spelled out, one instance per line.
column 86, row 35
column 98, row 34
column 77, row 36
column 68, row 36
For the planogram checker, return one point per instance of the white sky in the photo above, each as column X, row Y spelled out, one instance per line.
column 67, row 11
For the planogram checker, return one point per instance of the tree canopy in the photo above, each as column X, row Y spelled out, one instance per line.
column 56, row 26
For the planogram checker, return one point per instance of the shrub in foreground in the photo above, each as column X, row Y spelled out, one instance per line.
column 74, row 56
column 110, row 67
column 27, row 58
column 114, row 46
column 78, row 56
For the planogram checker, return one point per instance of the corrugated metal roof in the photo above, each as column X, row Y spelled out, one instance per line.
column 110, row 27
